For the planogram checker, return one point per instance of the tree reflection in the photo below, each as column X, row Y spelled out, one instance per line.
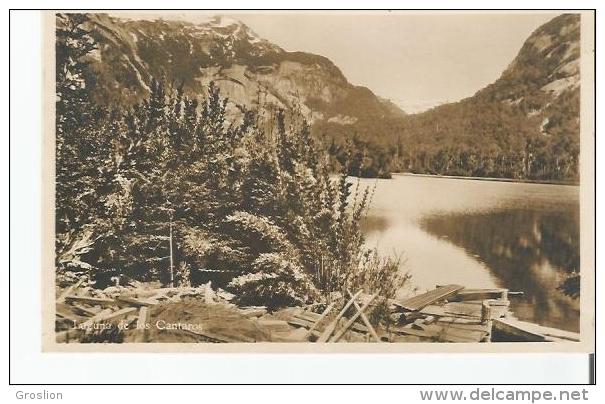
column 527, row 250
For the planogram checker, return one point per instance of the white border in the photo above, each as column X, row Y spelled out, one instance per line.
column 29, row 365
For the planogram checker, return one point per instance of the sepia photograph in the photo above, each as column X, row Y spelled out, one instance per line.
column 319, row 179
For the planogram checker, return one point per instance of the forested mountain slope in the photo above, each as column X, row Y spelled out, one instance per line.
column 525, row 125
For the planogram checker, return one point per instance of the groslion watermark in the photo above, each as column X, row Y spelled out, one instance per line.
column 38, row 395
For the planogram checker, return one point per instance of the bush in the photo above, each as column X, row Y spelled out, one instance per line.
column 174, row 185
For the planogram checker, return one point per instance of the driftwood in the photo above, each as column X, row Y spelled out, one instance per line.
column 448, row 314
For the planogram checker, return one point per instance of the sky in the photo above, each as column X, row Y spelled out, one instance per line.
column 418, row 60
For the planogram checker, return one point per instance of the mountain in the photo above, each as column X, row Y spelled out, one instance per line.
column 525, row 125
column 247, row 69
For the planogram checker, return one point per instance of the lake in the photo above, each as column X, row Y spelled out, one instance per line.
column 483, row 234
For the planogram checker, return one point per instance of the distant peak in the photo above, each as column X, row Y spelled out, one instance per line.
column 220, row 21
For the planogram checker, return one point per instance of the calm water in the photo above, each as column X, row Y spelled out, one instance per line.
column 483, row 234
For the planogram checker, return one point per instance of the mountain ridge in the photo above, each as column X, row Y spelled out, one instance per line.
column 243, row 65
column 522, row 126
column 525, row 125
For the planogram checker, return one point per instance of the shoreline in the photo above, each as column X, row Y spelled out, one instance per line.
column 495, row 179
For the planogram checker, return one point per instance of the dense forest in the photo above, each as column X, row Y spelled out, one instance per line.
column 174, row 189
column 476, row 137
column 525, row 125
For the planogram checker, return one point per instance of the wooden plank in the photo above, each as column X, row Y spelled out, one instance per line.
column 474, row 309
column 116, row 315
column 418, row 302
column 308, row 316
column 91, row 300
column 463, row 326
column 479, row 294
column 96, row 318
column 556, row 333
column 208, row 293
column 109, row 316
column 87, row 311
column 413, row 332
column 138, row 302
column 142, row 333
column 432, row 310
column 491, row 302
column 459, row 320
column 348, row 324
column 64, row 311
column 456, row 334
column 299, row 322
column 532, row 332
column 515, row 331
column 68, row 291
column 330, row 328
column 364, row 318
column 486, row 312
column 319, row 320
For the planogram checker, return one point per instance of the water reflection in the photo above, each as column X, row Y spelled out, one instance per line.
column 527, row 250
column 484, row 234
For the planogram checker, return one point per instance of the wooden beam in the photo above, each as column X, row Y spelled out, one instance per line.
column 418, row 302
column 95, row 319
column 138, row 302
column 208, row 293
column 142, row 332
column 64, row 311
column 480, row 294
column 364, row 318
column 87, row 311
column 91, row 300
column 515, row 331
column 524, row 331
column 319, row 320
column 486, row 312
column 68, row 291
column 348, row 324
column 330, row 328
